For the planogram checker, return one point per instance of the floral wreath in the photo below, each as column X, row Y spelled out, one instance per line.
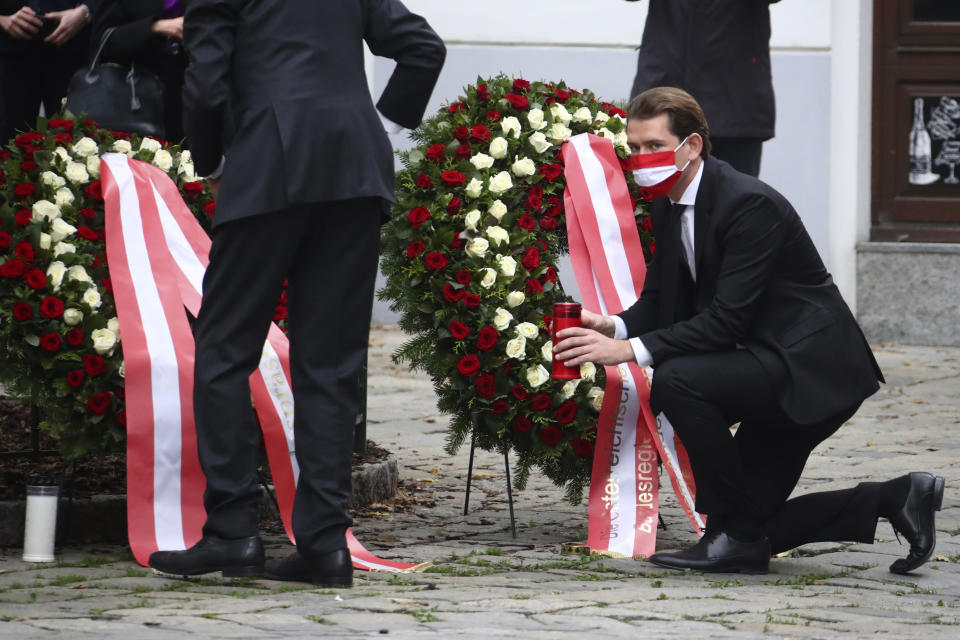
column 59, row 334
column 470, row 257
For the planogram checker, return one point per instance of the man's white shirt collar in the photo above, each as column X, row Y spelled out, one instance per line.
column 689, row 196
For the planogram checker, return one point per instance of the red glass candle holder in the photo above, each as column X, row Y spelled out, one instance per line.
column 565, row 315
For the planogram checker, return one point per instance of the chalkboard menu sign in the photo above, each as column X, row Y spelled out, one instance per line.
column 935, row 141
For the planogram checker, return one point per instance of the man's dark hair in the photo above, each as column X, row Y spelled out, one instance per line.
column 684, row 115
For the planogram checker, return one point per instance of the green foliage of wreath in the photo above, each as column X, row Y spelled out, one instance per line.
column 470, row 257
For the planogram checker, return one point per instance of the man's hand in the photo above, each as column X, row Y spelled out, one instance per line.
column 597, row 322
column 579, row 345
column 22, row 25
column 170, row 27
column 214, row 185
column 72, row 22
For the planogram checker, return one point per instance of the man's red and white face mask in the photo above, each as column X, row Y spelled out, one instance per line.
column 657, row 173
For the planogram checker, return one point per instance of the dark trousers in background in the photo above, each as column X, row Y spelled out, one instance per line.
column 744, row 481
column 743, row 154
column 328, row 252
column 28, row 80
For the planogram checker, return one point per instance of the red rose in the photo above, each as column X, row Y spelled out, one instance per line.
column 120, row 135
column 50, row 341
column 534, row 287
column 4, row 155
column 12, row 268
column 483, row 93
column 463, row 152
column 453, row 206
column 551, row 436
column 582, row 447
column 28, row 166
column 452, row 294
column 547, row 223
column 4, row 239
column 280, row 313
column 51, row 307
column 522, row 423
column 519, row 392
column 458, row 241
column 434, row 260
column 453, row 178
column 486, row 386
column 500, row 406
column 107, row 285
column 210, row 208
column 493, row 115
column 87, row 233
column 22, row 311
column 88, row 213
column 24, row 191
column 536, row 190
column 63, row 139
column 551, row 171
column 554, row 206
column 75, row 337
column 540, row 401
column 415, row 248
column 95, row 191
column 531, row 258
column 471, row 300
column 469, row 365
column 480, row 132
column 120, row 393
column 424, row 182
column 550, row 274
column 461, row 133
column 459, row 330
column 27, row 139
column 122, row 418
column 417, row 216
column 24, row 251
column 192, row 189
column 487, row 338
column 562, row 95
column 646, row 224
column 526, row 222
column 435, row 152
column 36, row 279
column 457, row 106
column 521, row 85
column 520, row 103
column 24, row 217
column 463, row 277
column 99, row 403
column 653, row 247
column 75, row 378
column 534, row 203
column 93, row 364
column 566, row 412
column 547, row 321
column 66, row 125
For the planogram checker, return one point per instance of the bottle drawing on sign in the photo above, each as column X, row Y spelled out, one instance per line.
column 920, row 167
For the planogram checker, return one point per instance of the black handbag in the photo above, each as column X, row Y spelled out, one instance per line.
column 118, row 97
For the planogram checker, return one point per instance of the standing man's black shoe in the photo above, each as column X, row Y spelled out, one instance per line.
column 717, row 552
column 333, row 569
column 915, row 520
column 237, row 558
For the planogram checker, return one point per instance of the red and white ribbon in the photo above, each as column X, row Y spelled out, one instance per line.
column 609, row 267
column 158, row 254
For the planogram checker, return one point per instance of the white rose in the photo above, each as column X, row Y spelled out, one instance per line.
column 55, row 273
column 472, row 219
column 498, row 235
column 78, row 273
column 569, row 388
column 620, row 140
column 187, row 171
column 523, row 167
column 92, row 297
column 477, row 247
column 77, row 173
column 63, row 247
column 45, row 241
column 501, row 319
column 588, row 371
column 547, row 351
column 517, row 348
column 481, row 161
column 489, row 278
column 63, row 196
column 163, row 160
column 559, row 112
column 603, row 132
column 184, row 159
column 622, row 120
column 85, row 147
column 62, row 153
column 499, row 148
column 114, row 325
column 72, row 317
column 527, row 330
column 45, row 210
column 60, row 230
column 515, row 298
column 150, row 145
column 535, row 118
column 582, row 115
column 104, row 341
column 508, row 266
column 500, row 182
column 415, row 157
column 537, row 375
column 122, row 146
column 474, row 188
column 600, row 118
column 497, row 209
column 510, row 124
column 558, row 132
column 50, row 179
column 595, row 396
column 93, row 166
column 539, row 142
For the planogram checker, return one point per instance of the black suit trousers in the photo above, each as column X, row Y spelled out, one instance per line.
column 328, row 252
column 744, row 480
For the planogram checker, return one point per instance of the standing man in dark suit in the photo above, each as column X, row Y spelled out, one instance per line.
column 742, row 323
column 718, row 51
column 306, row 180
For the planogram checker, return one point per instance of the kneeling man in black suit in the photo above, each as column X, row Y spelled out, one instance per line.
column 742, row 323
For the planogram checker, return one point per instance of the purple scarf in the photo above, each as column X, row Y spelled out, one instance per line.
column 172, row 8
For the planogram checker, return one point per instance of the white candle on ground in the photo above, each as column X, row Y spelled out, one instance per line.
column 40, row 528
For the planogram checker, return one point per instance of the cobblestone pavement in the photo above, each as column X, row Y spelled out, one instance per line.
column 484, row 583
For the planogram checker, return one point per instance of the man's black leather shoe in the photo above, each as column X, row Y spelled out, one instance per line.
column 717, row 552
column 915, row 520
column 332, row 569
column 239, row 558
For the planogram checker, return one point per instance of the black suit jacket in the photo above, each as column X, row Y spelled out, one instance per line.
column 291, row 75
column 10, row 46
column 760, row 284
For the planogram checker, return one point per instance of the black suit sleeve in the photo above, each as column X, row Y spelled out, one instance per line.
column 130, row 37
column 394, row 32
